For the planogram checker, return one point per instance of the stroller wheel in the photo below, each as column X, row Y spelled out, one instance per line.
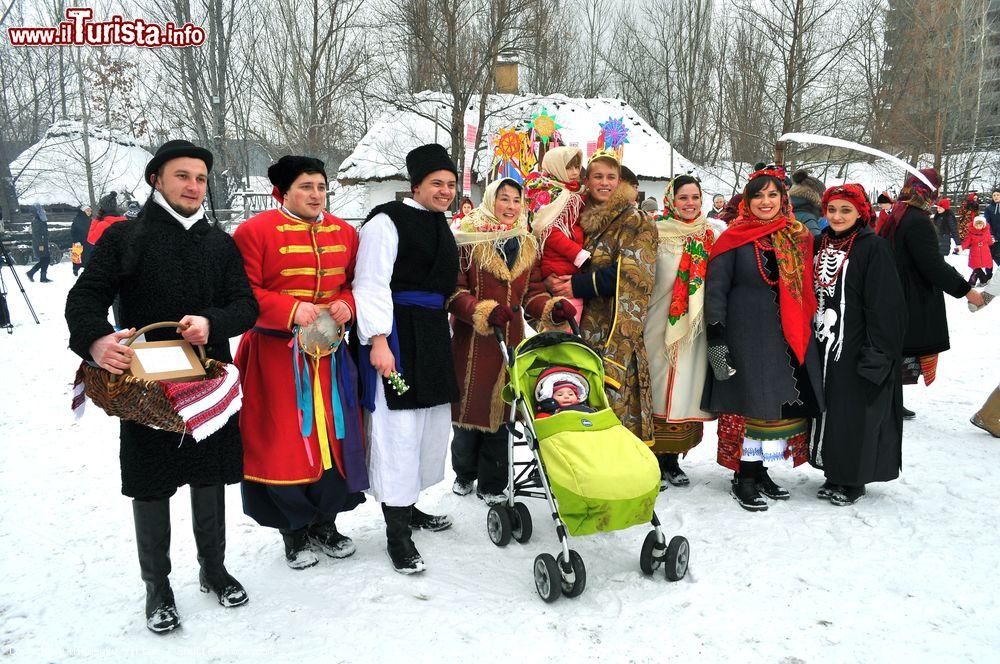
column 575, row 587
column 498, row 525
column 652, row 554
column 678, row 554
column 521, row 530
column 547, row 577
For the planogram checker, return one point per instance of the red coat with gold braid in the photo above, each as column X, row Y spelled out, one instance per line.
column 288, row 261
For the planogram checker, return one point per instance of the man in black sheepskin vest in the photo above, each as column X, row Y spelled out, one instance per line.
column 406, row 269
column 170, row 264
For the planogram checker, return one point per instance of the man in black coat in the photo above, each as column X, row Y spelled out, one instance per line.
column 78, row 236
column 170, row 264
column 40, row 243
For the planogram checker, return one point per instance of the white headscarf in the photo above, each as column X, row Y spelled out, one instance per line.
column 482, row 225
column 554, row 167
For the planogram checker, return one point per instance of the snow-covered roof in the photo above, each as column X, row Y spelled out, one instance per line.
column 382, row 152
column 53, row 170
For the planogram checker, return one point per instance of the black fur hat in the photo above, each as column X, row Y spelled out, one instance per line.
column 283, row 173
column 426, row 159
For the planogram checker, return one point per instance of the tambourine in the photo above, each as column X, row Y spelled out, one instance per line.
column 321, row 337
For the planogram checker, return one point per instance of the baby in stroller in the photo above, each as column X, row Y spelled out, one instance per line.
column 559, row 389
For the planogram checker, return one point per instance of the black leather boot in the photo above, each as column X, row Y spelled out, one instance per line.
column 399, row 545
column 152, row 538
column 670, row 471
column 208, row 516
column 325, row 537
column 298, row 550
column 424, row 521
column 847, row 495
column 745, row 491
column 767, row 486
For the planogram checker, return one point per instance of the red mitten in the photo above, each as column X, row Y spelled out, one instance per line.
column 501, row 315
column 563, row 311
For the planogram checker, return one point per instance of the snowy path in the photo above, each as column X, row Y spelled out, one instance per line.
column 909, row 573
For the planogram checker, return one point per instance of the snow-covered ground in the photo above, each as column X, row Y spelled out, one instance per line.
column 908, row 574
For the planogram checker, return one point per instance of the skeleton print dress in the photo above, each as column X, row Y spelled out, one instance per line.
column 859, row 325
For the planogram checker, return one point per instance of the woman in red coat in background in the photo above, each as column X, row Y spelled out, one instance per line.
column 978, row 241
column 304, row 458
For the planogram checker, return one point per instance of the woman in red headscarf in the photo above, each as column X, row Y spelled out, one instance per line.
column 759, row 304
column 925, row 277
column 859, row 325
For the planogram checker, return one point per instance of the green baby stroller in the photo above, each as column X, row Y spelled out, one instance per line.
column 595, row 474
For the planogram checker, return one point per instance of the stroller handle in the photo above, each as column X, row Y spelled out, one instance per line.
column 572, row 321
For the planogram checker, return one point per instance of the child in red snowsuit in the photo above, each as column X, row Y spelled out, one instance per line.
column 978, row 241
column 555, row 201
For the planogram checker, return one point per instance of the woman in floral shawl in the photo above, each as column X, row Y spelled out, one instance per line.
column 498, row 283
column 675, row 327
column 765, row 382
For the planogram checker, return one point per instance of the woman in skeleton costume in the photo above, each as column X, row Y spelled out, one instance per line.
column 859, row 324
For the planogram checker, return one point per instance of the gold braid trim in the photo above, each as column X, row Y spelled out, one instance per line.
column 480, row 316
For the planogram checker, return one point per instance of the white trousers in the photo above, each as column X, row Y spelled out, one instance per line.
column 406, row 450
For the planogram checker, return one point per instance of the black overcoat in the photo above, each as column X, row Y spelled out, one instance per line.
column 925, row 277
column 176, row 272
column 859, row 329
column 767, row 378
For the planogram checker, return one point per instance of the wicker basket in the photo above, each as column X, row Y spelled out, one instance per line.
column 138, row 400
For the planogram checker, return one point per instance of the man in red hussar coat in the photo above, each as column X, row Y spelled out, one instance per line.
column 304, row 459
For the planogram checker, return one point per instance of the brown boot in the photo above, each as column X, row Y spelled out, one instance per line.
column 988, row 417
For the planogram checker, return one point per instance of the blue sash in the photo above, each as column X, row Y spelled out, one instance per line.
column 370, row 377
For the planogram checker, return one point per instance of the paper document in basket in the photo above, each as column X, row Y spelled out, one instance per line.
column 162, row 359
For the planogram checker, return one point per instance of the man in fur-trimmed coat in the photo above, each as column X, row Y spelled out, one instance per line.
column 616, row 289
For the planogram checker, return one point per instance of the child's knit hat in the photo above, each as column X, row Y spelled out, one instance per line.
column 555, row 378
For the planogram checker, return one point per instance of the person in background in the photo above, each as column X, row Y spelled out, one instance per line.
column 732, row 210
column 946, row 226
column 132, row 209
column 40, row 243
column 78, row 235
column 968, row 211
column 463, row 209
column 992, row 215
column 649, row 205
column 979, row 241
column 718, row 205
column 884, row 205
column 806, row 194
column 108, row 213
